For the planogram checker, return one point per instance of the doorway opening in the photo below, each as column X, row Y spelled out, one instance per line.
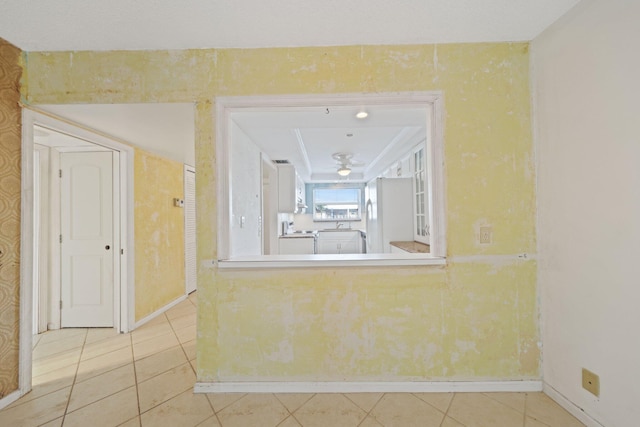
column 77, row 231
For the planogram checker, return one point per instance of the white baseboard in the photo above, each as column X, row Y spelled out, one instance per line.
column 159, row 312
column 367, row 387
column 570, row 407
column 9, row 399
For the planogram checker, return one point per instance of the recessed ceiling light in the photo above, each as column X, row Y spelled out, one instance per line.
column 362, row 114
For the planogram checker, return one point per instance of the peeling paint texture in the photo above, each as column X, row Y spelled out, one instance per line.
column 471, row 320
column 159, row 232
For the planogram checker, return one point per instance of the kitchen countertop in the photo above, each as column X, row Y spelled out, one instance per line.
column 294, row 235
column 412, row 247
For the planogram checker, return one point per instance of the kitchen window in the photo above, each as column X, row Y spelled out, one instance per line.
column 337, row 204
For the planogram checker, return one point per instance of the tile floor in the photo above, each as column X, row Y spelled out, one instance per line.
column 94, row 377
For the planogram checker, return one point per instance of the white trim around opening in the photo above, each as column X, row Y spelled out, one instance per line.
column 124, row 306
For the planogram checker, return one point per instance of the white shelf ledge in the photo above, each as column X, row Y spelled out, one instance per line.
column 344, row 260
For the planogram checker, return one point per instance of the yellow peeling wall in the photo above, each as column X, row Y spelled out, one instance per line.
column 476, row 318
column 159, row 232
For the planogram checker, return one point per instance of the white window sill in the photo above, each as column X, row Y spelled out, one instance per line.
column 344, row 260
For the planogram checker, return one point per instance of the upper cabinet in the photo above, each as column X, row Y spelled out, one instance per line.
column 291, row 192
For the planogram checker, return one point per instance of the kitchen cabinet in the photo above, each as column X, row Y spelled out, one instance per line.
column 291, row 192
column 340, row 242
column 297, row 245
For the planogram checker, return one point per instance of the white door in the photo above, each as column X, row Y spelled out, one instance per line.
column 87, row 276
column 190, row 229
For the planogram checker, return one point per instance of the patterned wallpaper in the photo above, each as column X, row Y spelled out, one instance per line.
column 10, row 142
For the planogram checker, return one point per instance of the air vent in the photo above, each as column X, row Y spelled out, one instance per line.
column 282, row 162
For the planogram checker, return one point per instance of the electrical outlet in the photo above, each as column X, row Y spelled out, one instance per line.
column 485, row 234
column 591, row 382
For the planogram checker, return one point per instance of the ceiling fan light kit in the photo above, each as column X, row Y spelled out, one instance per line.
column 344, row 171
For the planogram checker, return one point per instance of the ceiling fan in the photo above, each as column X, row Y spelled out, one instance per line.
column 345, row 163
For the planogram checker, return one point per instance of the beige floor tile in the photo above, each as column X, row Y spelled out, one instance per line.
column 329, row 410
column 99, row 334
column 190, row 349
column 165, row 386
column 183, row 309
column 101, row 386
column 440, row 401
column 513, row 400
column 544, row 409
column 532, row 422
column 55, row 423
column 365, row 401
column 212, row 421
column 478, row 410
column 49, row 382
column 262, row 410
column 37, row 411
column 56, row 361
column 290, row 422
column 186, row 334
column 161, row 318
column 110, row 411
column 183, row 321
column 450, row 422
column 104, row 363
column 370, row 422
column 154, row 345
column 68, row 343
column 219, row 401
column 185, row 410
column 35, row 340
column 404, row 409
column 160, row 362
column 133, row 422
column 147, row 332
column 293, row 401
column 58, row 334
column 105, row 346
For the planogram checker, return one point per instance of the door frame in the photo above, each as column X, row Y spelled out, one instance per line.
column 188, row 169
column 124, row 320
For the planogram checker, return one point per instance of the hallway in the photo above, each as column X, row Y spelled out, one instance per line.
column 99, row 378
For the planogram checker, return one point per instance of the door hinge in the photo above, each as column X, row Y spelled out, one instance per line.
column 61, row 238
column 60, row 304
column 121, row 251
column 60, row 173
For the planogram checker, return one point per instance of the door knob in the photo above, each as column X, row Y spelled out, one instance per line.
column 107, row 247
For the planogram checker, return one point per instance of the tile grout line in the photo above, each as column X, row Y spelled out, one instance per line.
column 369, row 412
column 135, row 379
column 75, row 376
column 446, row 413
column 293, row 413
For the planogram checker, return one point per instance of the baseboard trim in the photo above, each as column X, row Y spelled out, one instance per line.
column 570, row 407
column 367, row 387
column 10, row 398
column 159, row 312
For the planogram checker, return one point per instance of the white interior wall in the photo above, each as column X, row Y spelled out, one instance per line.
column 586, row 70
column 246, row 189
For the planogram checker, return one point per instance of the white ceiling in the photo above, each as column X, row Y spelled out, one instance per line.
column 309, row 137
column 164, row 129
column 47, row 25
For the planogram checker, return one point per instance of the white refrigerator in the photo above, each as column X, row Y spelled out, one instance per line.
column 389, row 212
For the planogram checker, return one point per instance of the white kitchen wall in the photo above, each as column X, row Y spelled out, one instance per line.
column 586, row 71
column 246, row 189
